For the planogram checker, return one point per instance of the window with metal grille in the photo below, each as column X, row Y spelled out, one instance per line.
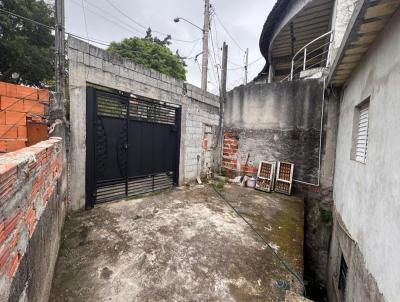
column 360, row 132
column 342, row 276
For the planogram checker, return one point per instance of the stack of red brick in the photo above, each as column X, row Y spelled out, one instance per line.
column 28, row 180
column 19, row 104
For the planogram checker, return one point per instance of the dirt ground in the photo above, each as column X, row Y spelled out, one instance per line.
column 186, row 244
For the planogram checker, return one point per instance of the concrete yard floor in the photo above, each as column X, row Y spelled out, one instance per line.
column 181, row 245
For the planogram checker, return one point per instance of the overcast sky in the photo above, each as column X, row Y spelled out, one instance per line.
column 242, row 19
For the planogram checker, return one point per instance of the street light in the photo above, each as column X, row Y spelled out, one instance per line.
column 205, row 30
column 177, row 19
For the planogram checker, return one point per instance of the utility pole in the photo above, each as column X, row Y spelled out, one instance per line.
column 57, row 107
column 224, row 71
column 246, row 67
column 222, row 96
column 206, row 29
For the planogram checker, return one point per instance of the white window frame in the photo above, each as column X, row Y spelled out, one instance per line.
column 361, row 132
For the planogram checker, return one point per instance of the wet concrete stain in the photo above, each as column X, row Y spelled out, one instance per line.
column 106, row 273
column 181, row 245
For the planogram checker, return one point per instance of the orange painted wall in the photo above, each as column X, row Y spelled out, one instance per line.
column 19, row 105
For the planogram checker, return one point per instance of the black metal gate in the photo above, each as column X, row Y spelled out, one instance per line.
column 132, row 145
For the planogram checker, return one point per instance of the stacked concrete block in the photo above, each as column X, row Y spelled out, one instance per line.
column 89, row 64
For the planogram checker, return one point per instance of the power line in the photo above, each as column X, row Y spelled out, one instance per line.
column 236, row 64
column 122, row 13
column 89, row 39
column 84, row 18
column 107, row 13
column 215, row 74
column 216, row 36
column 215, row 65
column 100, row 42
column 215, row 60
column 255, row 61
column 236, row 68
column 143, row 26
column 118, row 23
column 198, row 64
column 213, row 49
column 229, row 34
column 194, row 46
column 216, row 39
column 71, row 34
column 52, row 28
column 127, row 26
column 27, row 19
column 241, row 67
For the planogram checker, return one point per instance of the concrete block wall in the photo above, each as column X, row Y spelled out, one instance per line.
column 89, row 65
column 197, row 142
column 32, row 208
column 19, row 104
column 275, row 122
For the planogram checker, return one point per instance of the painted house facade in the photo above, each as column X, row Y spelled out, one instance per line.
column 366, row 237
column 355, row 48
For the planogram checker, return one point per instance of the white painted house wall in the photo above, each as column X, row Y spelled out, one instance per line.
column 367, row 196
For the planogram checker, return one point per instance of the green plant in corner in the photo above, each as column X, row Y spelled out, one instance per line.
column 152, row 53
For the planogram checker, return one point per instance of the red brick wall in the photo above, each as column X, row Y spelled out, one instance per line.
column 19, row 104
column 231, row 164
column 28, row 179
column 230, row 148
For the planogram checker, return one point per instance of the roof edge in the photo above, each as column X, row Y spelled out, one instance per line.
column 267, row 32
column 352, row 28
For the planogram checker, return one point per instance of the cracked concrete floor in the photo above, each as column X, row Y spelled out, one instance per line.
column 181, row 245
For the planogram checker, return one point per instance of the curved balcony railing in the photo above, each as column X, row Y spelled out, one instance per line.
column 313, row 54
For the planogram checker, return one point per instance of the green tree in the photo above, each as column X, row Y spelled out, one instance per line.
column 26, row 48
column 151, row 52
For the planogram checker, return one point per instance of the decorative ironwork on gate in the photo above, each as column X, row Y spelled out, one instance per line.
column 132, row 145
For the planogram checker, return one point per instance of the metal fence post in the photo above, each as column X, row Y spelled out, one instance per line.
column 291, row 72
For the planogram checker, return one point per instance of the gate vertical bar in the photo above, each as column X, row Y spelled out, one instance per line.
column 90, row 147
column 126, row 149
column 178, row 114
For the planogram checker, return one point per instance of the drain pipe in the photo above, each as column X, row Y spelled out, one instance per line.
column 320, row 145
